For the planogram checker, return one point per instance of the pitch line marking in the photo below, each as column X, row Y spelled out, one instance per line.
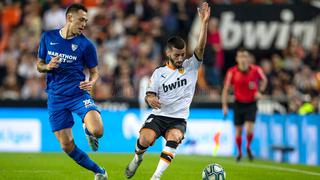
column 33, row 171
column 279, row 168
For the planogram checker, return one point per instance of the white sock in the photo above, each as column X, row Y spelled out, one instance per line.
column 138, row 157
column 139, row 152
column 164, row 163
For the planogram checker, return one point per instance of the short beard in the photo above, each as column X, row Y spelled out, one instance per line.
column 172, row 62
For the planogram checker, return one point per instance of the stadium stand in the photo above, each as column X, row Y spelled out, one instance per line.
column 130, row 36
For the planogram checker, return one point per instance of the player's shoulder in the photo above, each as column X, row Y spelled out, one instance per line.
column 51, row 32
column 255, row 67
column 233, row 68
column 85, row 39
column 160, row 68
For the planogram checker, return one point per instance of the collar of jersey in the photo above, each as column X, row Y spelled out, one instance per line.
column 60, row 32
column 170, row 66
column 249, row 67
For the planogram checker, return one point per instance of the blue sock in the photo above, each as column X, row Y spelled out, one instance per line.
column 83, row 160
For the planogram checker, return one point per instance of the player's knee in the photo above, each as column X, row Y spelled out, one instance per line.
column 98, row 132
column 146, row 141
column 176, row 139
column 67, row 146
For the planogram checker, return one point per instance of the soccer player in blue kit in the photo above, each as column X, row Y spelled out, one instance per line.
column 63, row 55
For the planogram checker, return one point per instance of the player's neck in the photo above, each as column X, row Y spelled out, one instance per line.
column 66, row 33
column 243, row 68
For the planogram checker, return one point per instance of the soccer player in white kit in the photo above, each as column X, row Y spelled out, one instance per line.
column 169, row 93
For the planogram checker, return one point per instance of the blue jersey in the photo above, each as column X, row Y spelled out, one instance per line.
column 75, row 54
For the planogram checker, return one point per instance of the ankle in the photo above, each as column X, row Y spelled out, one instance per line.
column 138, row 157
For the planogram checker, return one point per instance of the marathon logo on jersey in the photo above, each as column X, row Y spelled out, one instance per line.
column 88, row 103
column 174, row 85
column 64, row 58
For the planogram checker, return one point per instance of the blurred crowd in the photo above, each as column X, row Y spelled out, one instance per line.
column 130, row 36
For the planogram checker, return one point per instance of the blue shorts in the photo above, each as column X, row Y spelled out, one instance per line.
column 61, row 107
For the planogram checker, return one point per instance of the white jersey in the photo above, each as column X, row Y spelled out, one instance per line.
column 175, row 88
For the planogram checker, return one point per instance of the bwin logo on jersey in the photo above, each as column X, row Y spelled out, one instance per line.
column 174, row 85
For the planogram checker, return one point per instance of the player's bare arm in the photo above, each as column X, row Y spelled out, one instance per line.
column 264, row 80
column 225, row 92
column 204, row 14
column 153, row 100
column 262, row 85
column 88, row 85
column 43, row 67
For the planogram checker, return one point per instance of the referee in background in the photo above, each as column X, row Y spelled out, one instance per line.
column 248, row 81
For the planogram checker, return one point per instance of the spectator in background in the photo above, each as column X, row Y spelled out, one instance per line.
column 310, row 105
column 54, row 17
column 305, row 80
column 169, row 19
column 312, row 58
column 114, row 31
column 294, row 98
column 33, row 89
column 10, row 15
column 293, row 55
column 12, row 82
column 138, row 8
column 214, row 54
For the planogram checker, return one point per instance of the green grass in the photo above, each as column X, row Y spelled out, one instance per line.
column 59, row 166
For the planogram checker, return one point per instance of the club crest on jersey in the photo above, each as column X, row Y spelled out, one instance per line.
column 74, row 47
column 181, row 70
column 174, row 85
column 252, row 85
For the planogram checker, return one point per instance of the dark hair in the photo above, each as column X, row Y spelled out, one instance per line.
column 175, row 42
column 242, row 49
column 75, row 8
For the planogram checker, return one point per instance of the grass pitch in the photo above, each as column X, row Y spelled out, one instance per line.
column 58, row 166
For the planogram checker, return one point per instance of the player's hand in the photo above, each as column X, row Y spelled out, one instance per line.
column 54, row 63
column 225, row 110
column 86, row 85
column 204, row 12
column 154, row 102
column 257, row 96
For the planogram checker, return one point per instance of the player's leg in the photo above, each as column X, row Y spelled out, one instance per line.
column 85, row 107
column 238, row 122
column 146, row 139
column 239, row 141
column 249, row 131
column 93, row 128
column 249, row 125
column 61, row 122
column 66, row 141
column 173, row 137
column 148, row 134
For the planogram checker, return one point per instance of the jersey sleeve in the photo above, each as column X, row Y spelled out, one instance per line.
column 90, row 56
column 153, row 84
column 260, row 73
column 193, row 62
column 229, row 77
column 42, row 50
